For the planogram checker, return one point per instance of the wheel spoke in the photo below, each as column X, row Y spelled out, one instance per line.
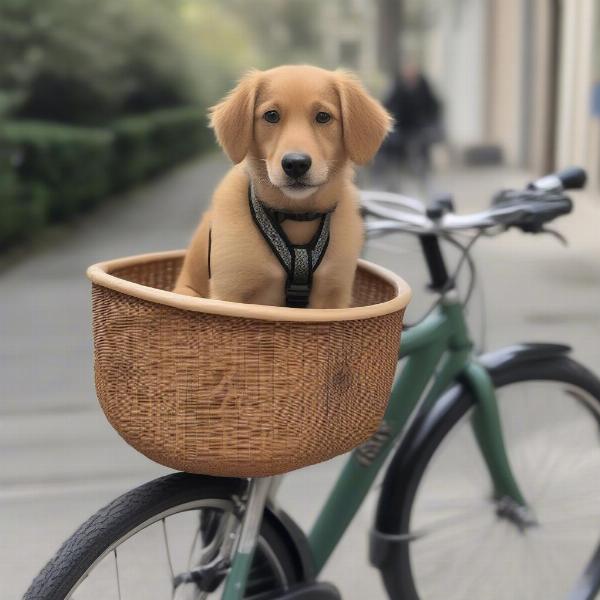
column 195, row 541
column 457, row 518
column 168, row 550
column 117, row 573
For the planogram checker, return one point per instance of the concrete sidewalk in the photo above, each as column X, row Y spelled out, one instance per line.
column 61, row 460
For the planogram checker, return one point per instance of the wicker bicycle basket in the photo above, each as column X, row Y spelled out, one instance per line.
column 229, row 389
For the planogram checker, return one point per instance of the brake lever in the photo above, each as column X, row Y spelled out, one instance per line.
column 559, row 236
column 541, row 229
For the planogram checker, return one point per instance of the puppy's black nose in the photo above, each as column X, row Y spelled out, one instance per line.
column 295, row 164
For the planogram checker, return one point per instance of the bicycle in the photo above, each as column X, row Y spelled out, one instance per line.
column 508, row 412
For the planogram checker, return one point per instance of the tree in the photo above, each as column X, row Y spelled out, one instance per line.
column 87, row 61
column 284, row 32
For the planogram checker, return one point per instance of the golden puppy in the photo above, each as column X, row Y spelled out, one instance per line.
column 295, row 133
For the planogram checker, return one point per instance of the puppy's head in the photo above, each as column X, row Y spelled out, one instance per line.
column 297, row 127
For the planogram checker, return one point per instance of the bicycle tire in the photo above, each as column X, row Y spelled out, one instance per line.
column 396, row 569
column 133, row 511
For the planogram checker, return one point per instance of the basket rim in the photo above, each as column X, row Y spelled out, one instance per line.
column 100, row 274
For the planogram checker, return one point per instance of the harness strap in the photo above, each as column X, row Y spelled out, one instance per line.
column 299, row 261
column 282, row 215
column 209, row 251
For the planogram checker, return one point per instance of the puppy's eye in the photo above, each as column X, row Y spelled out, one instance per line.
column 271, row 116
column 323, row 117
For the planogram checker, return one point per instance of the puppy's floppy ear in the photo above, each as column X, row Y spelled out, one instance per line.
column 233, row 117
column 364, row 120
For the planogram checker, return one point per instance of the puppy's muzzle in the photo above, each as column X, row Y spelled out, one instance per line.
column 295, row 164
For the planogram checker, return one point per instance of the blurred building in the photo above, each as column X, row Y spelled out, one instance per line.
column 519, row 77
column 349, row 34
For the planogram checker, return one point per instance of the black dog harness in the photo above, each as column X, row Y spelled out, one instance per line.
column 299, row 261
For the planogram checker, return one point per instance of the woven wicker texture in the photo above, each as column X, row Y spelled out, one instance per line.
column 233, row 396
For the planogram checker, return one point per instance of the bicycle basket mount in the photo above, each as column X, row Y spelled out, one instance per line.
column 229, row 389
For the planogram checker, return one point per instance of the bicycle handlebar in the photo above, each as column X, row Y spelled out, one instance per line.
column 528, row 209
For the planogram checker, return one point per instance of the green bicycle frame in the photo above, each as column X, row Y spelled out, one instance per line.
column 436, row 353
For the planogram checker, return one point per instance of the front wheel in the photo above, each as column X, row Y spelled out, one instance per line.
column 457, row 541
column 168, row 539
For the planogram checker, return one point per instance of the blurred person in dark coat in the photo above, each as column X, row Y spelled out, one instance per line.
column 418, row 115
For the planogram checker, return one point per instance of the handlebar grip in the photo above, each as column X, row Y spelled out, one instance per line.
column 571, row 178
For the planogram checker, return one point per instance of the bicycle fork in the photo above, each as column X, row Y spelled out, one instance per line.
column 487, row 426
column 235, row 584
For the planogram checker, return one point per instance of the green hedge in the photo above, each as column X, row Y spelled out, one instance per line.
column 147, row 144
column 23, row 208
column 71, row 164
column 50, row 171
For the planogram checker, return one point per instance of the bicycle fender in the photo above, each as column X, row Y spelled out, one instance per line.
column 295, row 539
column 407, row 455
column 526, row 352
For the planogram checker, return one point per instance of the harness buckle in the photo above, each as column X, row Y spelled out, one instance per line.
column 297, row 294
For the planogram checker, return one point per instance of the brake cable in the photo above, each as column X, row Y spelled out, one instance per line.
column 465, row 256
